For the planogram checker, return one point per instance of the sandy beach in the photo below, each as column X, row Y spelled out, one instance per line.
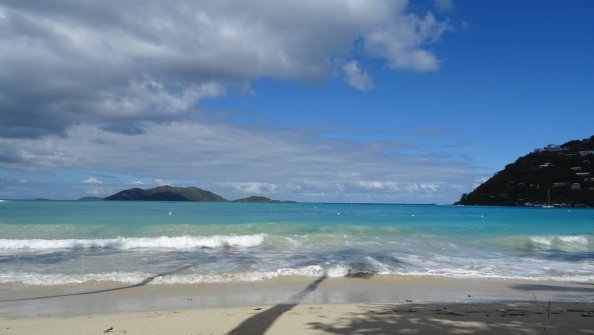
column 374, row 305
column 511, row 318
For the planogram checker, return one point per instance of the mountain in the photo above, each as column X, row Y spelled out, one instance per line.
column 563, row 173
column 254, row 199
column 167, row 193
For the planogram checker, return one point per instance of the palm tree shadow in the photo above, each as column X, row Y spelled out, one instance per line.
column 507, row 318
column 259, row 323
column 142, row 283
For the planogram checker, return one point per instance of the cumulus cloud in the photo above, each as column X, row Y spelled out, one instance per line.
column 92, row 181
column 356, row 77
column 117, row 86
column 400, row 43
column 122, row 64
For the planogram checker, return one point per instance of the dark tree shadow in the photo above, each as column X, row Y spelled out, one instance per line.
column 259, row 323
column 142, row 283
column 552, row 288
column 459, row 319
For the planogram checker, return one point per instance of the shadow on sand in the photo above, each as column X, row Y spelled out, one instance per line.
column 553, row 288
column 409, row 318
column 461, row 319
column 142, row 283
column 259, row 323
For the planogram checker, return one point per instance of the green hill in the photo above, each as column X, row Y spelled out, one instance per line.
column 167, row 193
column 254, row 199
column 565, row 173
column 258, row 199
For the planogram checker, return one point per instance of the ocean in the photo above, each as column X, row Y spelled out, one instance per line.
column 69, row 242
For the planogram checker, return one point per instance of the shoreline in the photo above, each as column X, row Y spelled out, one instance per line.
column 26, row 301
column 297, row 305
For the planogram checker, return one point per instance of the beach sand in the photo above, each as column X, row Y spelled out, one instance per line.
column 374, row 305
column 430, row 318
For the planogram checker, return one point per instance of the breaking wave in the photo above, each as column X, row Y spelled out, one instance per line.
column 125, row 243
column 137, row 277
column 566, row 243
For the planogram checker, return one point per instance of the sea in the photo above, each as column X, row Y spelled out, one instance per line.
column 71, row 242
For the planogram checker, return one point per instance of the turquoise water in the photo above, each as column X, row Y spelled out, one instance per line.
column 61, row 242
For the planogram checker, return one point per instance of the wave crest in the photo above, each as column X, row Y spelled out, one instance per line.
column 565, row 243
column 125, row 243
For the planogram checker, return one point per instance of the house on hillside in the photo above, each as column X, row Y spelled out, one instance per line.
column 553, row 147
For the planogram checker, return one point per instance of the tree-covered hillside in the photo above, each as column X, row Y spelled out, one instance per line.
column 166, row 193
column 564, row 172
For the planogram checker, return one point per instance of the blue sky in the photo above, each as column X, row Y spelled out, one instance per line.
column 343, row 100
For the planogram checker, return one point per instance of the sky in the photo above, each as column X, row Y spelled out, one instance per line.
column 387, row 101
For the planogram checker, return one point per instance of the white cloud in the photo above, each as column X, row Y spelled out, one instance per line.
column 356, row 77
column 161, row 182
column 228, row 159
column 150, row 99
column 137, row 182
column 401, row 42
column 478, row 181
column 255, row 188
column 96, row 192
column 92, row 181
column 378, row 185
column 429, row 187
column 123, row 63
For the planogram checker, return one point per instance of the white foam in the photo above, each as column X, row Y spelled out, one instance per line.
column 132, row 278
column 308, row 271
column 574, row 239
column 311, row 271
column 379, row 266
column 542, row 240
column 338, row 271
column 137, row 277
column 65, row 279
column 124, row 243
column 517, row 268
column 563, row 243
column 475, row 275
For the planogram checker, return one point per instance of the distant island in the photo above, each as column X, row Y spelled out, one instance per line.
column 170, row 193
column 90, row 199
column 261, row 199
column 556, row 175
column 167, row 193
